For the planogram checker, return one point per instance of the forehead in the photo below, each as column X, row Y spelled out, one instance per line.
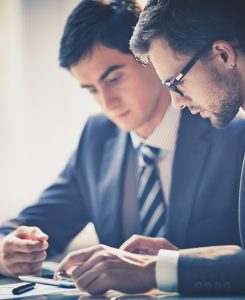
column 166, row 62
column 100, row 59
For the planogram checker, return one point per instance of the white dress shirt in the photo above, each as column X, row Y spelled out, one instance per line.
column 167, row 270
column 164, row 137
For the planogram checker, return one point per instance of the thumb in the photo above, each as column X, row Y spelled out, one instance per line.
column 137, row 244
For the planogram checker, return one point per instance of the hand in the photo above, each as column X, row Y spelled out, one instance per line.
column 101, row 268
column 146, row 245
column 23, row 251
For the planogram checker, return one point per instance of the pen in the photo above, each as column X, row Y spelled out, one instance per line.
column 23, row 288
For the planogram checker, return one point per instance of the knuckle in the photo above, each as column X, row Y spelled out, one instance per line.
column 101, row 247
column 71, row 256
column 135, row 237
column 34, row 229
column 21, row 229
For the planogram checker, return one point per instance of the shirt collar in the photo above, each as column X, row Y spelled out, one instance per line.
column 164, row 135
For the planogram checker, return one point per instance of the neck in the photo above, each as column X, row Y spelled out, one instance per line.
column 160, row 111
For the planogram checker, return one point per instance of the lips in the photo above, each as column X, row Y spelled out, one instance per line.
column 122, row 115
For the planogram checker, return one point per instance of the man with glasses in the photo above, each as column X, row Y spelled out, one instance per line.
column 198, row 50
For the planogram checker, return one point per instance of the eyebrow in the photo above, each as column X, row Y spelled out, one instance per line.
column 110, row 70
column 168, row 79
column 105, row 74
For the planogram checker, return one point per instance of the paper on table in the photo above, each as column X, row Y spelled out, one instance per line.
column 40, row 289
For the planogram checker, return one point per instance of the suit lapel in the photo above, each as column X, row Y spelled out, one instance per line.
column 189, row 163
column 110, row 188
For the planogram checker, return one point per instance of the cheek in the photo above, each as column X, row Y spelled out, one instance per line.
column 198, row 90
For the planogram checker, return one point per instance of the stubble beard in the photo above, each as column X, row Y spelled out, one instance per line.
column 228, row 99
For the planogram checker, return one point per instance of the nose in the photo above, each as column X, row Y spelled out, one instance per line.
column 108, row 100
column 179, row 102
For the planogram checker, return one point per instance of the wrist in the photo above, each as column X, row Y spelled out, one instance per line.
column 150, row 272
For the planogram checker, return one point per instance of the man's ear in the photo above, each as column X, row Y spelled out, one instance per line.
column 225, row 53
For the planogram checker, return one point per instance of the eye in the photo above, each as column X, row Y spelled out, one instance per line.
column 115, row 79
column 92, row 90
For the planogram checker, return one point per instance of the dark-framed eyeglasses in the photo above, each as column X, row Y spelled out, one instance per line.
column 172, row 84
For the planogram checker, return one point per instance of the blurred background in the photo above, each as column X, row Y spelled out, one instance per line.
column 42, row 108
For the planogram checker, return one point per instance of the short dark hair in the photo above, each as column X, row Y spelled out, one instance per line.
column 94, row 22
column 189, row 25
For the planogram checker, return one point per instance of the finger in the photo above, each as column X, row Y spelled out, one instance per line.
column 99, row 286
column 86, row 278
column 32, row 233
column 95, row 277
column 99, row 264
column 76, row 258
column 133, row 244
column 94, row 260
column 14, row 244
column 146, row 245
column 20, row 257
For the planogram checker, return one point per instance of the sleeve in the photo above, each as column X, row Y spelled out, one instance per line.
column 61, row 211
column 218, row 270
column 166, row 270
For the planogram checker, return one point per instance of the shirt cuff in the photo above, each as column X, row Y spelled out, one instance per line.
column 166, row 270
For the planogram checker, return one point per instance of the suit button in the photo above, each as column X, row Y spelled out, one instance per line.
column 207, row 285
column 198, row 285
column 227, row 285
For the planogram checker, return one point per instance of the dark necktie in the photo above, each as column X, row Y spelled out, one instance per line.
column 150, row 195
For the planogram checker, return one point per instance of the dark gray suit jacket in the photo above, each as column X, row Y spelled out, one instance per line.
column 90, row 188
column 216, row 270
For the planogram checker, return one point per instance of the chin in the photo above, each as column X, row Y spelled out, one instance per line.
column 125, row 127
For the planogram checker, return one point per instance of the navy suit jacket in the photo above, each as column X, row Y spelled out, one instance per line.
column 216, row 270
column 90, row 188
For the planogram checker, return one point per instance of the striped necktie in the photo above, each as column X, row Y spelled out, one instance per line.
column 150, row 195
